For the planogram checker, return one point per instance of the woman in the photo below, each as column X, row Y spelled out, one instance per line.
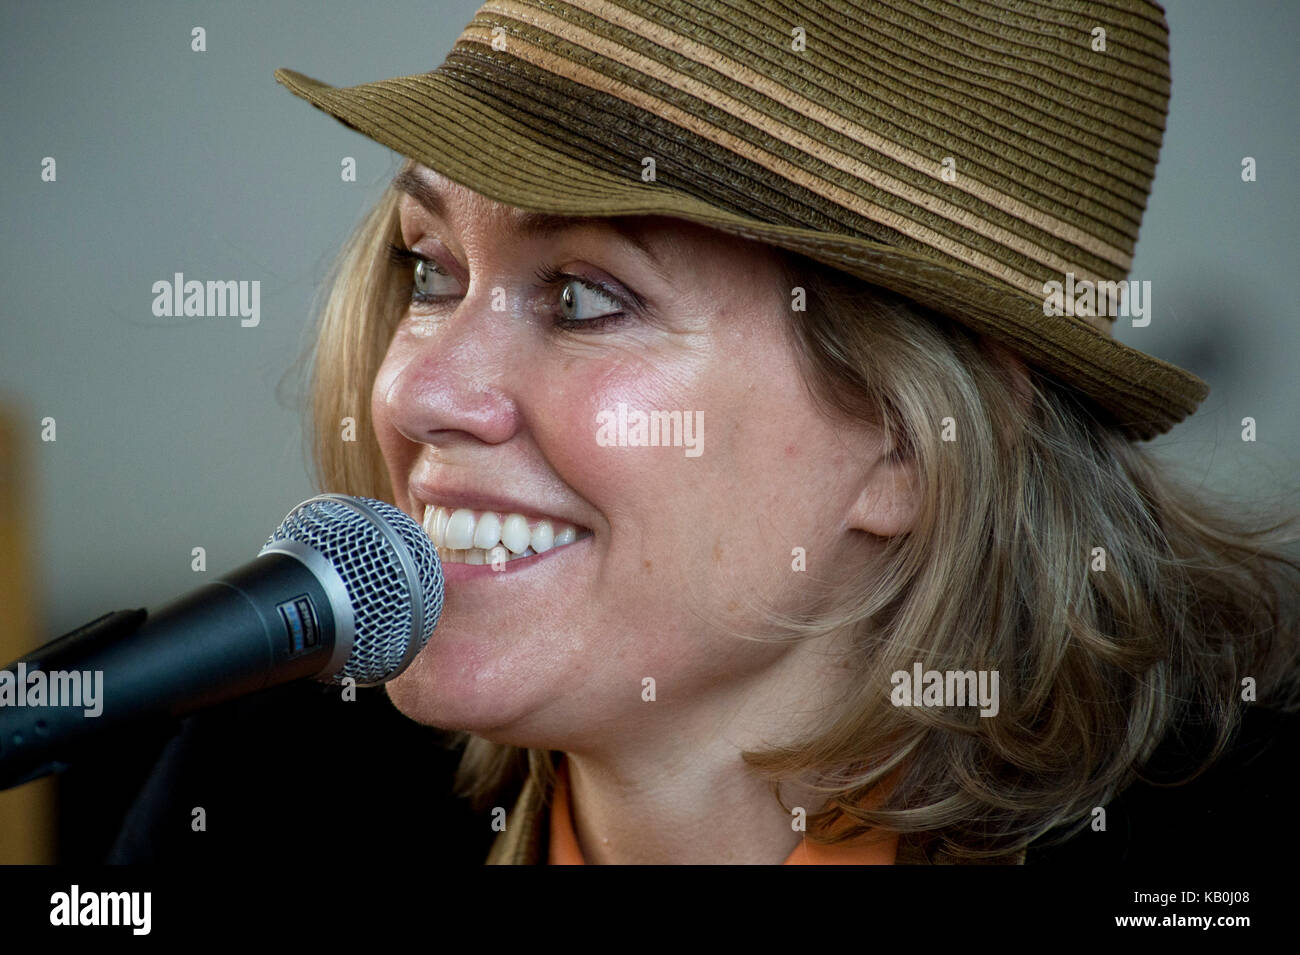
column 755, row 378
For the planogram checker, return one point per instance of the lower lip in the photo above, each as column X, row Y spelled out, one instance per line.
column 463, row 573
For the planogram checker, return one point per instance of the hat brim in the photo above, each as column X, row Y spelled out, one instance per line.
column 430, row 119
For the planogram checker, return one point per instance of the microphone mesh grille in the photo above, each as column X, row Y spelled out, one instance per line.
column 382, row 595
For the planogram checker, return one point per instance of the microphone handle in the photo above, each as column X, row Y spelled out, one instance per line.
column 266, row 623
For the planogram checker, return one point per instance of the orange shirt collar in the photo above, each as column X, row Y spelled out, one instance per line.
column 564, row 843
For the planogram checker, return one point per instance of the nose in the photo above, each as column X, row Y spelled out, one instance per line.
column 452, row 379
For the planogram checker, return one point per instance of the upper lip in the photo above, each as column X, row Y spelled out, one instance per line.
column 425, row 495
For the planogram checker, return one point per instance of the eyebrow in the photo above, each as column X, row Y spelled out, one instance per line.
column 533, row 224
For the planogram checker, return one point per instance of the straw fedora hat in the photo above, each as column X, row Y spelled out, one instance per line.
column 963, row 153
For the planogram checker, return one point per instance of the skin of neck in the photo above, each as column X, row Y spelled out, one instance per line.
column 681, row 793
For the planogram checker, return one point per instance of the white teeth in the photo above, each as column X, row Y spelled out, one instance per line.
column 514, row 533
column 543, row 538
column 435, row 523
column 464, row 536
column 460, row 530
column 487, row 532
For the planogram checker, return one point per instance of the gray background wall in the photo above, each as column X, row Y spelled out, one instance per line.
column 171, row 433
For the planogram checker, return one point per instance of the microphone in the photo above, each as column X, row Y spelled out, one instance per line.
column 347, row 591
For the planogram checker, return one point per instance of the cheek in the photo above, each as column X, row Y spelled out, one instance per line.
column 652, row 499
column 626, row 484
column 707, row 525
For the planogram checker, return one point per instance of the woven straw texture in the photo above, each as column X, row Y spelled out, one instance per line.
column 836, row 150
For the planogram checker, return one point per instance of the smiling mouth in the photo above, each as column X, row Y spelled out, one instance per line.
column 463, row 536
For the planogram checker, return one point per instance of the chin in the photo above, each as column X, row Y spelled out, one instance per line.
column 418, row 695
column 449, row 698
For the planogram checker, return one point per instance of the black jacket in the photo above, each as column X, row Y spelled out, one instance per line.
column 298, row 773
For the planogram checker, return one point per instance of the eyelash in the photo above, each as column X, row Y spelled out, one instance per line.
column 547, row 275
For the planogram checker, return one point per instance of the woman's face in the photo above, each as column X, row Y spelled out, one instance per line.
column 504, row 390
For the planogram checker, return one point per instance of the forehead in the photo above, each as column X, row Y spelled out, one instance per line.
column 660, row 239
column 451, row 201
column 667, row 243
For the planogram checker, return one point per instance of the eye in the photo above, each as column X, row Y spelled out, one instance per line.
column 582, row 302
column 430, row 281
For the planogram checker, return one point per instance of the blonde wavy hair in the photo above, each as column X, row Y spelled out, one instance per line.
column 1096, row 667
